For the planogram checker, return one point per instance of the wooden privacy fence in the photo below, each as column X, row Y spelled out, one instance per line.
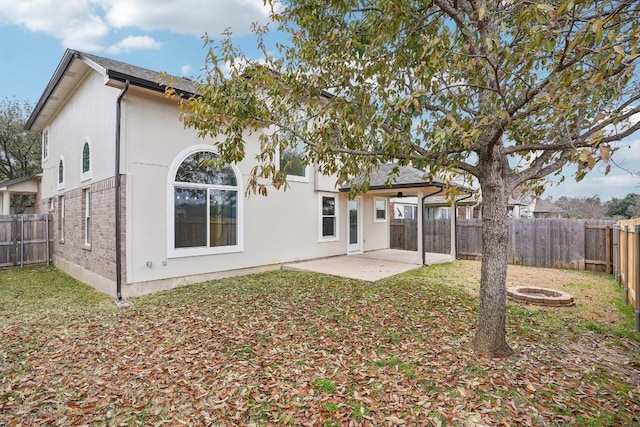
column 404, row 234
column 626, row 262
column 557, row 243
column 437, row 235
column 25, row 239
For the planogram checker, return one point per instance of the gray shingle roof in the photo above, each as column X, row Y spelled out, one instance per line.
column 546, row 206
column 409, row 177
column 141, row 75
column 62, row 82
column 19, row 180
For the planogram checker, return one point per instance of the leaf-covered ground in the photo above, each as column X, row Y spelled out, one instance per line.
column 289, row 348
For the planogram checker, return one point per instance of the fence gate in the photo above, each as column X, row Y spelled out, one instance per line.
column 25, row 239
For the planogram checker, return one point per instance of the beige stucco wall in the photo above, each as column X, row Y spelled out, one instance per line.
column 89, row 113
column 281, row 227
column 376, row 234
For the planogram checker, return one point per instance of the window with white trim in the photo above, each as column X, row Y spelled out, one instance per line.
column 61, row 173
column 86, row 197
column 61, row 219
column 379, row 209
column 85, row 161
column 291, row 160
column 328, row 217
column 207, row 205
column 45, row 145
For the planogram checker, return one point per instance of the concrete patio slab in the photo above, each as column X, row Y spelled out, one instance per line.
column 370, row 266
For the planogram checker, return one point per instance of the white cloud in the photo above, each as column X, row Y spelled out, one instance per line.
column 86, row 24
column 72, row 21
column 194, row 17
column 132, row 43
column 185, row 70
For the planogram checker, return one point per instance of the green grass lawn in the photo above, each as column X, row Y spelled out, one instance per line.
column 291, row 348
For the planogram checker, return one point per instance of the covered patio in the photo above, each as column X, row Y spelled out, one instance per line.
column 369, row 266
column 386, row 182
column 23, row 186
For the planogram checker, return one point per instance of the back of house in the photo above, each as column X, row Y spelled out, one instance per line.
column 180, row 220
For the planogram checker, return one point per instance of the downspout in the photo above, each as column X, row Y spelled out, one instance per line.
column 455, row 220
column 119, row 301
column 424, row 257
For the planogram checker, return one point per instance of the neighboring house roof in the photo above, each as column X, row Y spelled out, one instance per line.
column 546, row 206
column 75, row 65
column 408, row 177
column 6, row 185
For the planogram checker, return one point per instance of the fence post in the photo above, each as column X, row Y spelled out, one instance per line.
column 637, row 275
column 616, row 253
column 21, row 240
column 625, row 263
column 46, row 226
column 607, row 248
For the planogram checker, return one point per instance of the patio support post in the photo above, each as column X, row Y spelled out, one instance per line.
column 6, row 203
column 454, row 222
column 420, row 227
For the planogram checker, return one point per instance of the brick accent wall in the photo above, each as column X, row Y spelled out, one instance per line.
column 69, row 229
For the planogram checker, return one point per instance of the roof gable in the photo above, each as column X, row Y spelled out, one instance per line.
column 75, row 65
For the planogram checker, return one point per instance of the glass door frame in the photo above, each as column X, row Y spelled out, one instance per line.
column 355, row 248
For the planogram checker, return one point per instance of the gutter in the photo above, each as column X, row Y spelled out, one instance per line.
column 424, row 257
column 120, row 302
column 146, row 84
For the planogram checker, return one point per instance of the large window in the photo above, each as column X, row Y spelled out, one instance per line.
column 85, row 161
column 206, row 201
column 328, row 218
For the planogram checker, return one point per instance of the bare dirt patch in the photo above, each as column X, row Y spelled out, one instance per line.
column 594, row 294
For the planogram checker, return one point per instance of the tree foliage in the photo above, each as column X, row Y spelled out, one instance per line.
column 627, row 207
column 506, row 91
column 581, row 207
column 19, row 150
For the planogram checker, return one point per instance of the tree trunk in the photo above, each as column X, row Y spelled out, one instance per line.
column 490, row 337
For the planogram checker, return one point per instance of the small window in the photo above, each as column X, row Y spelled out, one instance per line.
column 292, row 160
column 61, row 219
column 87, row 216
column 45, row 145
column 380, row 210
column 328, row 224
column 86, row 161
column 445, row 213
column 61, row 173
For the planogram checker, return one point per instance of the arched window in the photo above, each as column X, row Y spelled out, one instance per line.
column 206, row 200
column 85, row 161
column 61, row 173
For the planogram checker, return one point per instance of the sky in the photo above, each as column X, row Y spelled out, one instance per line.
column 166, row 36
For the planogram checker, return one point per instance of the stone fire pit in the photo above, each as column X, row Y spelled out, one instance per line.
column 540, row 296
